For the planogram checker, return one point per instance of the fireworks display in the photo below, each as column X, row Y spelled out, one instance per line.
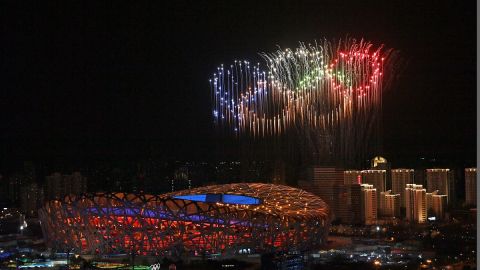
column 325, row 98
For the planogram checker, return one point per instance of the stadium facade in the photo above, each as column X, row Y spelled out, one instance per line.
column 214, row 219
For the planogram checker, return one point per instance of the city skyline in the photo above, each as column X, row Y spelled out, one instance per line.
column 108, row 83
column 229, row 134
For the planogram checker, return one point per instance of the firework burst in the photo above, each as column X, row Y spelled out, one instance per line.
column 325, row 97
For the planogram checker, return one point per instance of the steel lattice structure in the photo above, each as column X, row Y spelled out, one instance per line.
column 211, row 219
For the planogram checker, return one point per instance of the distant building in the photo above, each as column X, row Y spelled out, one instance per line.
column 15, row 182
column 377, row 178
column 352, row 177
column 420, row 177
column 437, row 205
column 327, row 183
column 392, row 205
column 429, row 199
column 354, row 203
column 471, row 186
column 343, row 208
column 443, row 181
column 59, row 185
column 389, row 204
column 368, row 204
column 31, row 199
column 381, row 202
column 380, row 163
column 352, row 180
column 400, row 179
column 416, row 203
column 56, row 186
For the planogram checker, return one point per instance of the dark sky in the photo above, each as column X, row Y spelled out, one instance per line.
column 100, row 79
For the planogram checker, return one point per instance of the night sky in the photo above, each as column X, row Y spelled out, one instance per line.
column 89, row 80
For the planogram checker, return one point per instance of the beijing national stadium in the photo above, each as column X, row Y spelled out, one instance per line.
column 213, row 219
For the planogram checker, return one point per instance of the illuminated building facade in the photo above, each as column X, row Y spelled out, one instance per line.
column 389, row 204
column 416, row 203
column 471, row 186
column 400, row 179
column 438, row 205
column 369, row 204
column 211, row 219
column 441, row 180
column 327, row 183
column 377, row 178
column 352, row 177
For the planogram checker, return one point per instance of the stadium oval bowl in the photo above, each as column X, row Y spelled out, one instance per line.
column 231, row 218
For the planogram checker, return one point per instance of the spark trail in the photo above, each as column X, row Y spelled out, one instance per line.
column 325, row 98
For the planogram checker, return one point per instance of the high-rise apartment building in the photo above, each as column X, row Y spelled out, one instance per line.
column 368, row 204
column 59, row 185
column 380, row 163
column 12, row 186
column 31, row 199
column 416, row 203
column 429, row 199
column 352, row 177
column 354, row 203
column 439, row 205
column 471, row 186
column 400, row 179
column 420, row 177
column 327, row 183
column 389, row 204
column 377, row 178
column 443, row 181
column 56, row 187
column 15, row 182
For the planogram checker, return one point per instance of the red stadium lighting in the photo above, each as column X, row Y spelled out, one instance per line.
column 212, row 219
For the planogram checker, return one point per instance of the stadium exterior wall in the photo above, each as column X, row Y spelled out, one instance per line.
column 212, row 219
